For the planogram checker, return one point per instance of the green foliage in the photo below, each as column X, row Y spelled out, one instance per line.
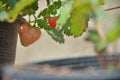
column 93, row 36
column 48, row 2
column 3, row 15
column 73, row 16
column 31, row 8
column 66, row 28
column 65, row 11
column 56, row 35
column 78, row 19
column 1, row 3
column 43, row 24
column 19, row 7
column 100, row 45
column 114, row 33
column 51, row 9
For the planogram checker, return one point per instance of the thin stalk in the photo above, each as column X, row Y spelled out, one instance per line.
column 100, row 31
column 113, row 8
column 35, row 19
column 102, row 36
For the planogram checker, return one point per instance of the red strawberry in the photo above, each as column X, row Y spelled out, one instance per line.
column 28, row 35
column 52, row 22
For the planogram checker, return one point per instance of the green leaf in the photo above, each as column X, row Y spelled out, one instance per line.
column 56, row 35
column 57, row 4
column 97, row 2
column 114, row 33
column 64, row 13
column 19, row 7
column 12, row 3
column 31, row 9
column 44, row 12
column 51, row 9
column 66, row 28
column 1, row 3
column 101, row 2
column 43, row 24
column 79, row 16
column 48, row 2
column 3, row 15
column 101, row 46
column 93, row 36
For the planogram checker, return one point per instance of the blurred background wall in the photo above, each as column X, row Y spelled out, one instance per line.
column 47, row 49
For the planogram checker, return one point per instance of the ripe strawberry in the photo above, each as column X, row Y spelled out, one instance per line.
column 52, row 22
column 28, row 35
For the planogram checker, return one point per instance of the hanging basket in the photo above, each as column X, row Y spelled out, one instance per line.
column 8, row 41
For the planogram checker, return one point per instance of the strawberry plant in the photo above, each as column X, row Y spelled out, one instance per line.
column 72, row 19
column 72, row 15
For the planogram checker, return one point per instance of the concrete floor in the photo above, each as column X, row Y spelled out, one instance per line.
column 47, row 49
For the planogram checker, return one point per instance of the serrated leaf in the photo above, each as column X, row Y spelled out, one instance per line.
column 43, row 13
column 66, row 28
column 43, row 24
column 19, row 7
column 57, row 4
column 64, row 13
column 79, row 17
column 51, row 9
column 56, row 35
column 114, row 33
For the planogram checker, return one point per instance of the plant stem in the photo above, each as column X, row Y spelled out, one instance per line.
column 113, row 8
column 29, row 19
column 102, row 36
column 102, row 61
column 100, row 31
column 35, row 19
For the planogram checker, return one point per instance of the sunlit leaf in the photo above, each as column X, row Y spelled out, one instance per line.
column 64, row 13
column 1, row 3
column 79, row 17
column 19, row 7
column 114, row 33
